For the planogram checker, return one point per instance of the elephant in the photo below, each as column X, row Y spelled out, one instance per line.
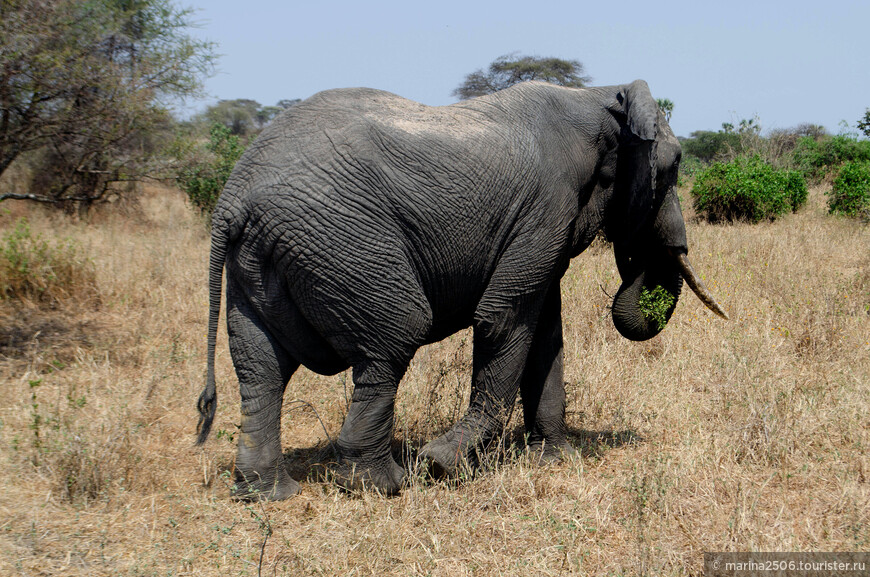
column 360, row 226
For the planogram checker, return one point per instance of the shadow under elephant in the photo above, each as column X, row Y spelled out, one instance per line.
column 314, row 463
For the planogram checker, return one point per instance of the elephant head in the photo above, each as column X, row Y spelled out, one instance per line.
column 645, row 221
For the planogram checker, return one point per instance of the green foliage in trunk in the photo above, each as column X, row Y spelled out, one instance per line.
column 655, row 305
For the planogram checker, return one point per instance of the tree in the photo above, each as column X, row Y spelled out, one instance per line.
column 239, row 115
column 666, row 106
column 244, row 117
column 707, row 145
column 746, row 127
column 783, row 140
column 511, row 69
column 864, row 123
column 204, row 178
column 84, row 84
column 814, row 131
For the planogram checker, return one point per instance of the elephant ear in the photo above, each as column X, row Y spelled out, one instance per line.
column 635, row 185
column 641, row 110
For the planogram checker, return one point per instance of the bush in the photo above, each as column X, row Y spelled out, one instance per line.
column 747, row 189
column 690, row 166
column 204, row 179
column 31, row 269
column 817, row 158
column 851, row 192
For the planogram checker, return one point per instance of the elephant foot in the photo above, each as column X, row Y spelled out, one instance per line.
column 454, row 452
column 545, row 453
column 251, row 487
column 354, row 474
column 443, row 458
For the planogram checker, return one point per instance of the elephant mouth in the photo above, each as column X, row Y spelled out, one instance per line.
column 648, row 296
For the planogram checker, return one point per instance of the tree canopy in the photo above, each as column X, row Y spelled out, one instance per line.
column 864, row 123
column 243, row 116
column 511, row 69
column 85, row 83
column 707, row 145
column 666, row 105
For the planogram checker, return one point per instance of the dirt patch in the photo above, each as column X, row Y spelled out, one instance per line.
column 27, row 333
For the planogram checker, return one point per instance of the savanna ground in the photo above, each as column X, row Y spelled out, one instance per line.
column 750, row 434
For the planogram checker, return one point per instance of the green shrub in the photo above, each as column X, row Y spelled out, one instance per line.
column 204, row 179
column 747, row 189
column 690, row 166
column 851, row 192
column 817, row 158
column 31, row 269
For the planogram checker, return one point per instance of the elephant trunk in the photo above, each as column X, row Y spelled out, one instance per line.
column 653, row 269
column 648, row 296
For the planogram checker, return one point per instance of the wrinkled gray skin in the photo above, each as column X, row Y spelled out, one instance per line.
column 361, row 226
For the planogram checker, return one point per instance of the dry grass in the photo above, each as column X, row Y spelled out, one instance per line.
column 716, row 436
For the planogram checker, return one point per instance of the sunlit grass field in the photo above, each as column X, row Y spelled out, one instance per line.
column 743, row 435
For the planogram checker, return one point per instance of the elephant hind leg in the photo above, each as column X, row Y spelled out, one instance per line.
column 364, row 459
column 263, row 368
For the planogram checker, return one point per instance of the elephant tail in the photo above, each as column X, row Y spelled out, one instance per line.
column 207, row 403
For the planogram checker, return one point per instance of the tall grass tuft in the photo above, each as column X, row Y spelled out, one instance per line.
column 35, row 270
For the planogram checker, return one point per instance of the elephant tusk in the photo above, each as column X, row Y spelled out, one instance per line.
column 697, row 285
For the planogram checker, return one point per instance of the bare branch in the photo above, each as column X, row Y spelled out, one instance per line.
column 27, row 196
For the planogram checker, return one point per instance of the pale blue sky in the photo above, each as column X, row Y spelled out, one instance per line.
column 787, row 62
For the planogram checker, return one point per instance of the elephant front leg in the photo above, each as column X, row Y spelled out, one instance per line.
column 364, row 459
column 505, row 322
column 543, row 387
column 263, row 369
column 498, row 365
